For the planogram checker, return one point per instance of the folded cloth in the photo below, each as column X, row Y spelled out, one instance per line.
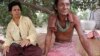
column 93, row 35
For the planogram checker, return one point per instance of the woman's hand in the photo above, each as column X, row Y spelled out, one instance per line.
column 5, row 50
column 25, row 42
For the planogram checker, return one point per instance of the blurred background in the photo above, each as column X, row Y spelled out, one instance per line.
column 88, row 12
column 38, row 11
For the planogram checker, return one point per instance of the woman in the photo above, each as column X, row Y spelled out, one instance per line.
column 20, row 35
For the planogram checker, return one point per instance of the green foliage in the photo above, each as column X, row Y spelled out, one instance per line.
column 83, row 15
column 38, row 20
column 41, row 17
column 5, row 16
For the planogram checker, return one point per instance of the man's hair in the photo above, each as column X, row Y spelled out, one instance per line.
column 14, row 3
column 56, row 2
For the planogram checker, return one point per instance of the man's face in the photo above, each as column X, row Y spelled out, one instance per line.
column 16, row 12
column 63, row 7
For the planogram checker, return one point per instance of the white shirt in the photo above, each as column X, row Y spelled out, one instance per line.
column 25, row 30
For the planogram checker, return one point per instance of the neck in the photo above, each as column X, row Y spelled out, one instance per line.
column 16, row 18
column 62, row 17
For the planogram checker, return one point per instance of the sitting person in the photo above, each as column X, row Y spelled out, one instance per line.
column 62, row 25
column 21, row 34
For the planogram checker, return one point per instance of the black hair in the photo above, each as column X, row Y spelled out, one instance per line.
column 56, row 2
column 14, row 3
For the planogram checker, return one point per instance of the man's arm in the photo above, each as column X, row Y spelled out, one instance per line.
column 82, row 36
column 51, row 29
column 47, row 42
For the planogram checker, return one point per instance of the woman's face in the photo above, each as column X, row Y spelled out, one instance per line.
column 16, row 11
column 63, row 7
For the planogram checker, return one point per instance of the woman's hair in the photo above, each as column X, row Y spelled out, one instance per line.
column 14, row 3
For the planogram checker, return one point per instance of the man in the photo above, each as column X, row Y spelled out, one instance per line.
column 62, row 25
column 20, row 35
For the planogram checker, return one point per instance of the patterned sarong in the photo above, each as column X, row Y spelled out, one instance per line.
column 63, row 49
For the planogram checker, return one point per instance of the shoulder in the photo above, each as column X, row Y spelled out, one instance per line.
column 72, row 17
column 52, row 22
column 10, row 24
column 52, row 19
column 52, row 16
column 26, row 18
column 75, row 18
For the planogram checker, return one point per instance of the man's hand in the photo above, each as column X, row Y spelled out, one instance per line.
column 5, row 50
column 25, row 42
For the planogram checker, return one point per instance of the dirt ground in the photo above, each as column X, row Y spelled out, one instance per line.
column 95, row 44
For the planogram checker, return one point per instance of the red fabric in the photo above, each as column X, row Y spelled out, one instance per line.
column 93, row 34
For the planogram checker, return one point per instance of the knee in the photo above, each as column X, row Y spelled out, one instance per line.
column 39, row 50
